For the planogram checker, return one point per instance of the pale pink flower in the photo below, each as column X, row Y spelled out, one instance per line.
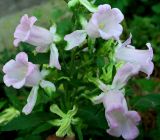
column 105, row 23
column 120, row 120
column 143, row 58
column 26, row 31
column 20, row 72
column 40, row 37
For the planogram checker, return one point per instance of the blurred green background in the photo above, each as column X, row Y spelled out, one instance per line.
column 142, row 19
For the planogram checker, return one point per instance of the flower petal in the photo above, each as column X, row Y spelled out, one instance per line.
column 19, row 84
column 22, row 57
column 124, row 74
column 130, row 131
column 74, row 39
column 31, row 101
column 54, row 57
column 33, row 76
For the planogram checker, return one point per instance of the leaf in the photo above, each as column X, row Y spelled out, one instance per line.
column 12, row 95
column 147, row 84
column 146, row 102
column 42, row 128
column 156, row 8
column 42, row 58
column 24, row 122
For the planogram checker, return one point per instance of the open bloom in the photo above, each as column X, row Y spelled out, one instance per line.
column 120, row 120
column 143, row 58
column 40, row 37
column 104, row 23
column 20, row 72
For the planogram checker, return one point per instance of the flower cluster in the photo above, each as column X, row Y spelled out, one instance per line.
column 104, row 23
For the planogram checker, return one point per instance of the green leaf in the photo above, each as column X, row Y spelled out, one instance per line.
column 12, row 95
column 147, row 84
column 29, row 121
column 156, row 8
column 42, row 128
column 146, row 102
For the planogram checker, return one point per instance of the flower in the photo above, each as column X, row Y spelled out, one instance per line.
column 120, row 120
column 26, row 31
column 105, row 23
column 20, row 72
column 143, row 58
column 42, row 38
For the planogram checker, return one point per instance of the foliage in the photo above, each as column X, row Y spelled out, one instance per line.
column 77, row 66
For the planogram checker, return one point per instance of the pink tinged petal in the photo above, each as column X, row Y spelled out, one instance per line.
column 130, row 131
column 13, row 76
column 22, row 31
column 75, row 39
column 34, row 35
column 19, row 84
column 9, row 66
column 134, row 116
column 31, row 101
column 115, row 116
column 103, row 8
column 104, row 35
column 105, row 23
column 54, row 57
column 33, row 76
column 16, row 42
column 22, row 57
column 32, row 20
column 114, row 100
column 41, row 38
column 92, row 29
column 118, row 16
column 116, row 132
column 124, row 74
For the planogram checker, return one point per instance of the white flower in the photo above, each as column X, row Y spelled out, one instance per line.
column 120, row 120
column 105, row 23
column 20, row 72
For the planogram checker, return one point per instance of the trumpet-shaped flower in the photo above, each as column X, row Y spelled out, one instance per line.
column 40, row 37
column 20, row 72
column 26, row 31
column 120, row 120
column 143, row 58
column 105, row 23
